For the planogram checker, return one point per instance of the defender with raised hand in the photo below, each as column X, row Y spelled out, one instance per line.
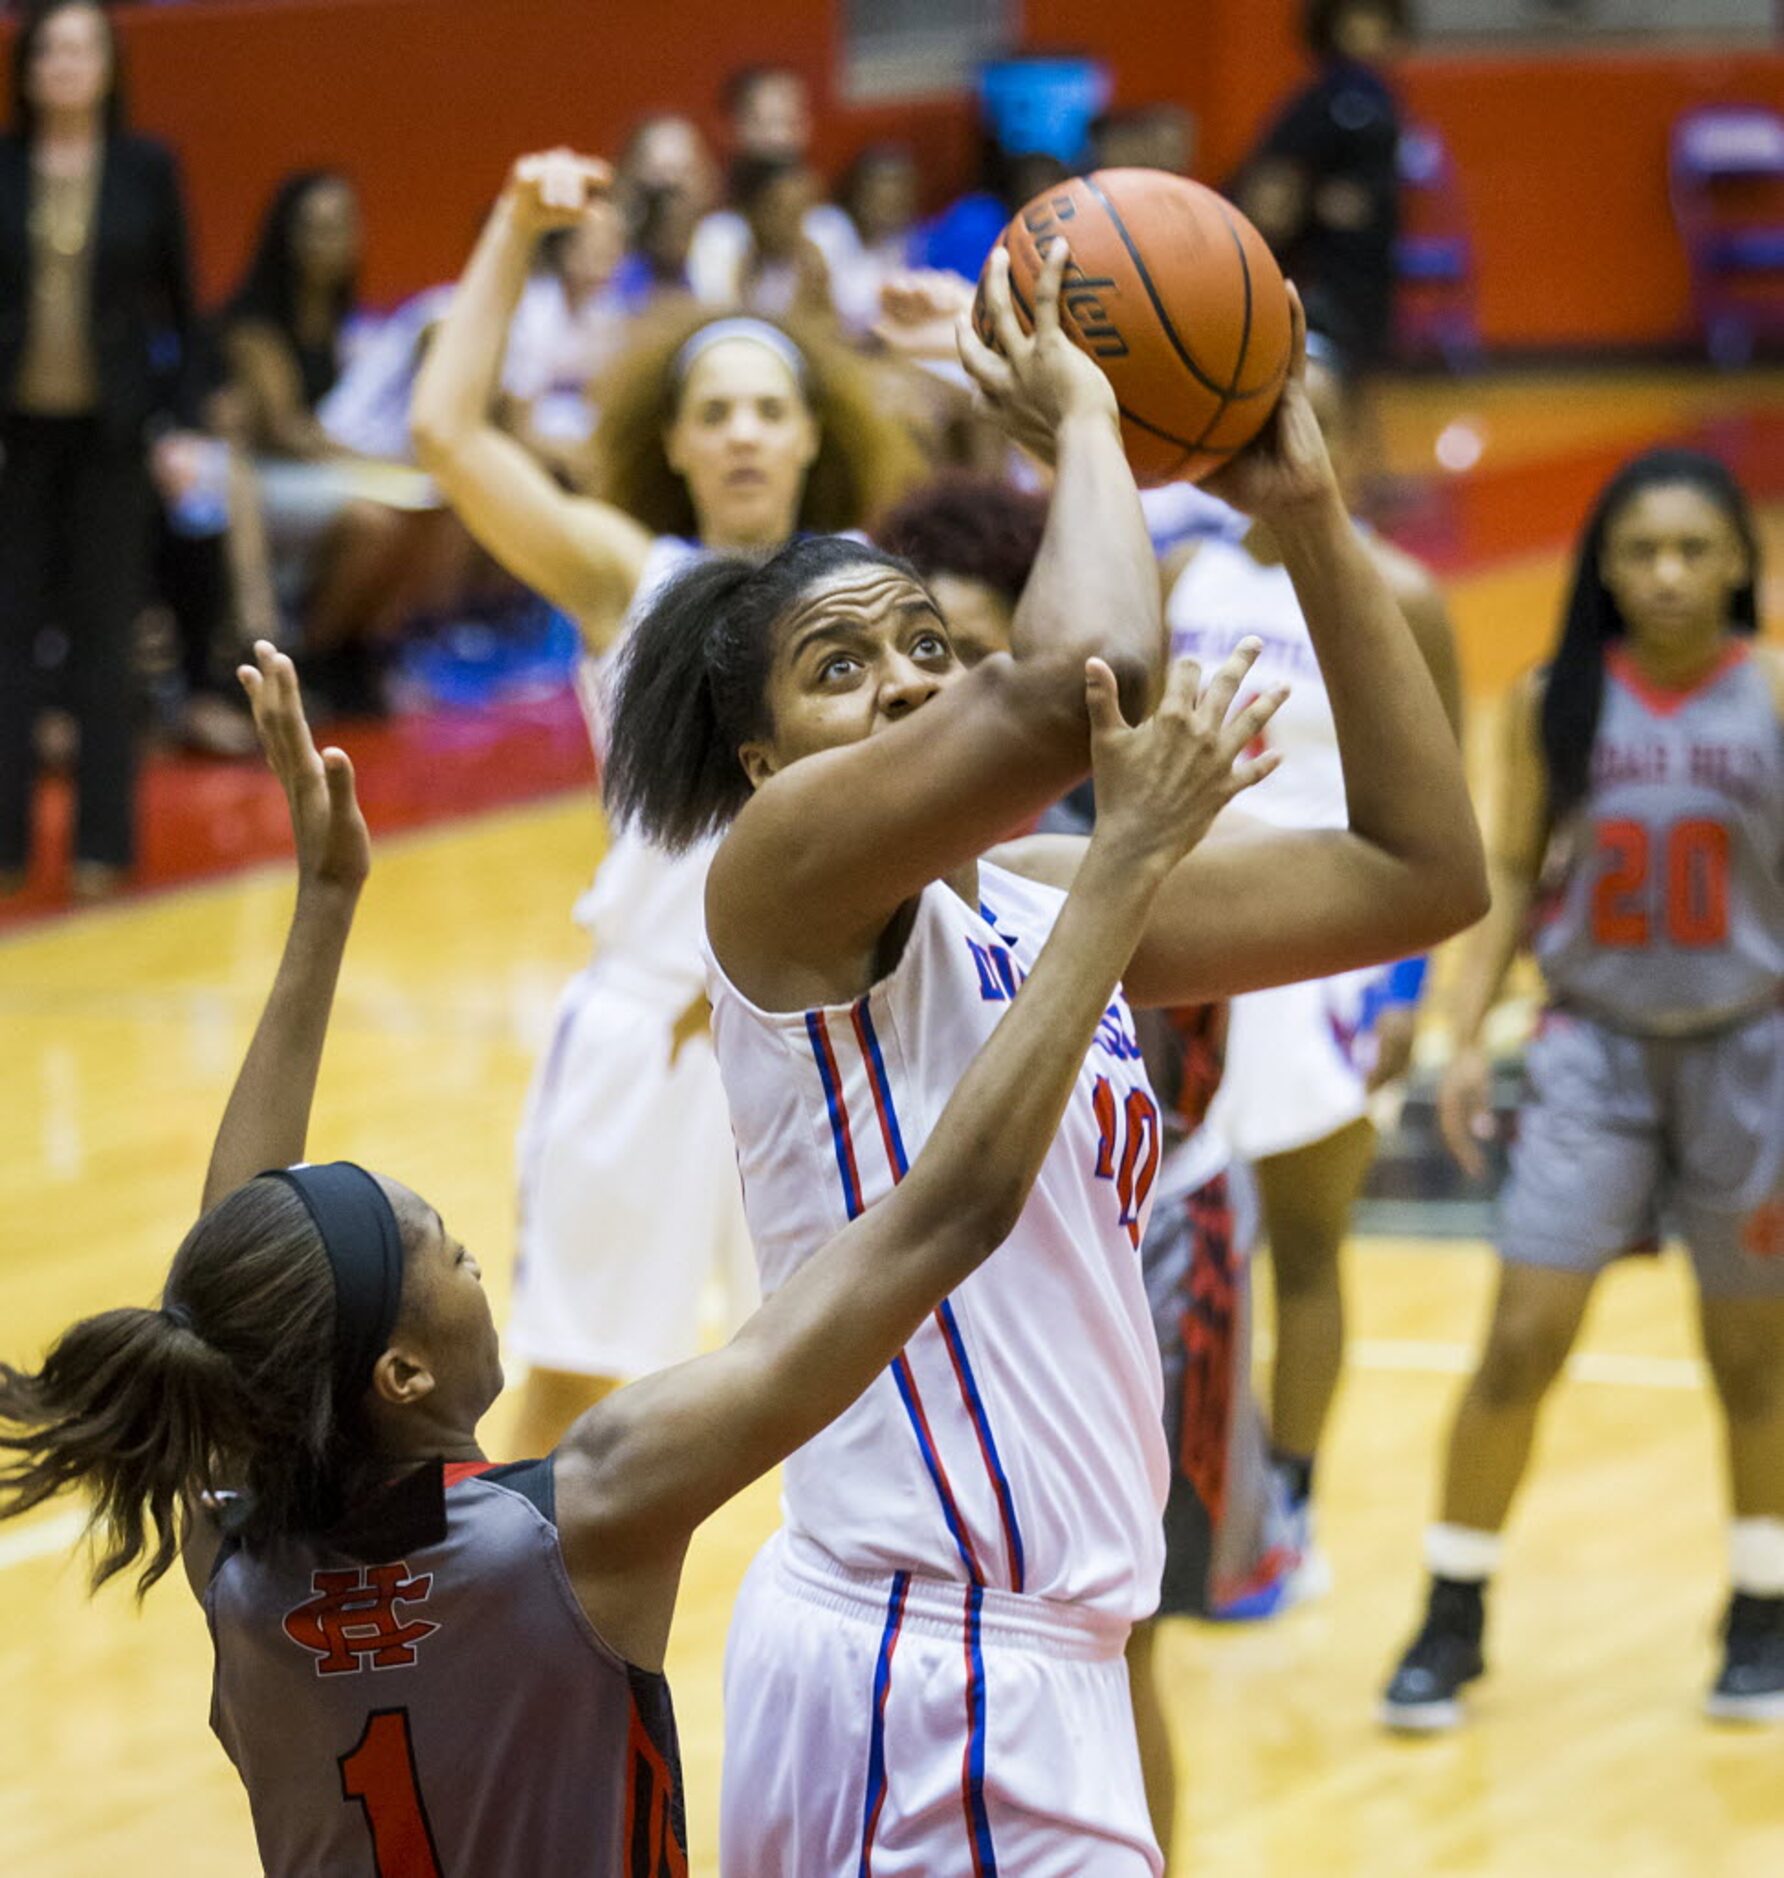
column 298, row 1419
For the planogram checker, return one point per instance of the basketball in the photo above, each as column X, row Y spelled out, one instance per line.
column 1175, row 295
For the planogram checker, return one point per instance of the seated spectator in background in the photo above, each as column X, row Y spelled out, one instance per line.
column 1323, row 185
column 768, row 110
column 777, row 269
column 664, row 184
column 90, row 279
column 567, row 329
column 336, row 535
column 879, row 196
column 1148, row 137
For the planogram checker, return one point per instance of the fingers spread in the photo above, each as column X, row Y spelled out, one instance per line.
column 1248, row 725
column 1223, row 687
column 984, row 367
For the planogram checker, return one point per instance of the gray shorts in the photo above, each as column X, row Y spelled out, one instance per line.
column 1621, row 1138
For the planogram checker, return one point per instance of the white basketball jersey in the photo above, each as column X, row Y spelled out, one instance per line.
column 1223, row 596
column 645, row 910
column 1017, row 1442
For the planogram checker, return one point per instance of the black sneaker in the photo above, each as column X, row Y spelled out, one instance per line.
column 1751, row 1686
column 1424, row 1695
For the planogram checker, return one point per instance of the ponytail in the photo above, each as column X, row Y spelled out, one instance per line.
column 1573, row 690
column 227, row 1387
column 691, row 686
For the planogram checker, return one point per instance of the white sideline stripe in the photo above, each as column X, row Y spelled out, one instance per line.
column 37, row 1541
column 1458, row 1359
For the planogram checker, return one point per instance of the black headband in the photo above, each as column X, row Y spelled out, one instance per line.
column 365, row 1254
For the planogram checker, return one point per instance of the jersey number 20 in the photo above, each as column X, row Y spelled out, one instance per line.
column 1128, row 1150
column 1696, row 904
column 379, row 1772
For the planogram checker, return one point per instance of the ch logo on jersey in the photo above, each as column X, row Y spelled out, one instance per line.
column 352, row 1622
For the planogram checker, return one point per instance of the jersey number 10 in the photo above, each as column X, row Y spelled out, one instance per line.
column 1695, row 854
column 1128, row 1150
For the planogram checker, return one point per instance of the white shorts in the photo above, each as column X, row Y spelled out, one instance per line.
column 629, row 1197
column 1294, row 1074
column 906, row 1727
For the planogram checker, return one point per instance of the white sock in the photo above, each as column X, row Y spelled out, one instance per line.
column 1756, row 1557
column 1463, row 1552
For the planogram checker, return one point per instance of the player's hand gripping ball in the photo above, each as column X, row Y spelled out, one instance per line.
column 1175, row 295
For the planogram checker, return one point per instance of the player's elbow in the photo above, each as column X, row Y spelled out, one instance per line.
column 1451, row 888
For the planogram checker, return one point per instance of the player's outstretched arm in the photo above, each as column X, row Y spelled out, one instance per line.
column 267, row 1119
column 584, row 556
column 1256, row 909
column 640, row 1471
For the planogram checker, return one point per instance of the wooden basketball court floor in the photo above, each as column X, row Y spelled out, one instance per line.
column 119, row 1033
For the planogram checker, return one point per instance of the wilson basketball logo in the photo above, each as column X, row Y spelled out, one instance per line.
column 352, row 1622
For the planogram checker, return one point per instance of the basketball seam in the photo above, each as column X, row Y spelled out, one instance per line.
column 1158, row 307
column 1232, row 229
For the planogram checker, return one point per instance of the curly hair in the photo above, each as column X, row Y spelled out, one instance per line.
column 866, row 458
column 974, row 527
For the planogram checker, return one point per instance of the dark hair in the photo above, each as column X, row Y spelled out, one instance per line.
column 751, row 177
column 1320, row 22
column 975, row 527
column 691, row 685
column 746, row 78
column 1573, row 690
column 24, row 50
column 229, row 1386
column 269, row 289
column 875, row 156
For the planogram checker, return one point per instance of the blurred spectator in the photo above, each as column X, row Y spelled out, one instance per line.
column 95, row 354
column 879, row 196
column 1323, row 184
column 664, row 184
column 338, row 538
column 768, row 110
column 777, row 269
column 1149, row 137
column 566, row 330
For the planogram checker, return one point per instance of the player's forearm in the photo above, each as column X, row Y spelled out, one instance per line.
column 456, row 388
column 267, row 1119
column 1403, row 778
column 1094, row 589
column 1487, row 956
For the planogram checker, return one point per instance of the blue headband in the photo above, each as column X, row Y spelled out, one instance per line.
column 365, row 1256
column 757, row 332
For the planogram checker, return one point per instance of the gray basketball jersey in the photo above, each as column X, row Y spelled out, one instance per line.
column 425, row 1698
column 1663, row 908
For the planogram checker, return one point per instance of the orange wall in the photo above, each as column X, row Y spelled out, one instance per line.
column 424, row 102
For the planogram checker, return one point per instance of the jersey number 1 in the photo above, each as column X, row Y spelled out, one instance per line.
column 379, row 1772
column 1696, row 885
column 1128, row 1150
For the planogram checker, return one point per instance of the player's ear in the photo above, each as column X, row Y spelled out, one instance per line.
column 758, row 762
column 401, row 1377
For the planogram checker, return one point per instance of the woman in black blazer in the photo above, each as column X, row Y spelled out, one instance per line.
column 95, row 322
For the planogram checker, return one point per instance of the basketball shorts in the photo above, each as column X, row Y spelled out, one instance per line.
column 629, row 1197
column 907, row 1727
column 1623, row 1137
column 1294, row 1072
